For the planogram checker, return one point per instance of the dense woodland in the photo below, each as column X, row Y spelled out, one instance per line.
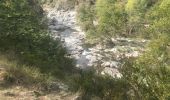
column 32, row 57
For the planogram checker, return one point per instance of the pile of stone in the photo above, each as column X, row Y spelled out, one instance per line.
column 63, row 25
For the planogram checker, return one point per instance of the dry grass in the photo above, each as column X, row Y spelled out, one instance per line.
column 14, row 73
column 21, row 82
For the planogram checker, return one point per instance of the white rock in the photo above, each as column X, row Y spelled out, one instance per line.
column 114, row 64
column 89, row 64
column 93, row 59
column 114, row 50
column 79, row 48
column 88, row 57
column 111, row 72
column 105, row 64
column 95, row 23
column 85, row 53
column 99, row 58
column 133, row 54
column 106, row 50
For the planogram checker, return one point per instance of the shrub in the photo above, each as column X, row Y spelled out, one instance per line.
column 23, row 32
column 86, row 16
column 111, row 17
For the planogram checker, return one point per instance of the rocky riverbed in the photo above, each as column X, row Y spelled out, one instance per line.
column 63, row 25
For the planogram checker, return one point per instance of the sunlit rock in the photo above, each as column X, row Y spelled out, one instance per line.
column 111, row 72
column 63, row 25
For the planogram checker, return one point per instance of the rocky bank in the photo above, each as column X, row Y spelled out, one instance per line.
column 63, row 26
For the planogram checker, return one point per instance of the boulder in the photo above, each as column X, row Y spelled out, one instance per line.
column 111, row 72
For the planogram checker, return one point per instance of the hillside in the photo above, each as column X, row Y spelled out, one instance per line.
column 84, row 50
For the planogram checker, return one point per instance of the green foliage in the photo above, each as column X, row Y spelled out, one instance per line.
column 86, row 16
column 60, row 4
column 145, row 78
column 159, row 18
column 111, row 17
column 136, row 11
column 104, row 87
column 149, row 74
column 136, row 5
column 23, row 32
column 117, row 18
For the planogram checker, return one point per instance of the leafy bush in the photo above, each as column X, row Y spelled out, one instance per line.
column 116, row 18
column 159, row 18
column 149, row 74
column 111, row 17
column 86, row 16
column 23, row 32
column 106, row 88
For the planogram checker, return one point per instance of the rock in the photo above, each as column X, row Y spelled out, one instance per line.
column 79, row 48
column 114, row 64
column 78, row 97
column 78, row 65
column 113, row 40
column 43, row 98
column 111, row 72
column 90, row 64
column 106, row 50
column 99, row 58
column 85, row 53
column 72, row 37
column 99, row 47
column 53, row 21
column 133, row 54
column 91, row 58
column 95, row 23
column 63, row 40
column 105, row 64
column 88, row 56
column 136, row 54
column 62, row 86
column 114, row 50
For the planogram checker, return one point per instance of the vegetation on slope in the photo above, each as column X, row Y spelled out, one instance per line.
column 147, row 76
column 28, row 53
column 24, row 36
column 24, row 33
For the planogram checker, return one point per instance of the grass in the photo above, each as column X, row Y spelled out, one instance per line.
column 20, row 81
column 20, row 74
column 88, row 84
